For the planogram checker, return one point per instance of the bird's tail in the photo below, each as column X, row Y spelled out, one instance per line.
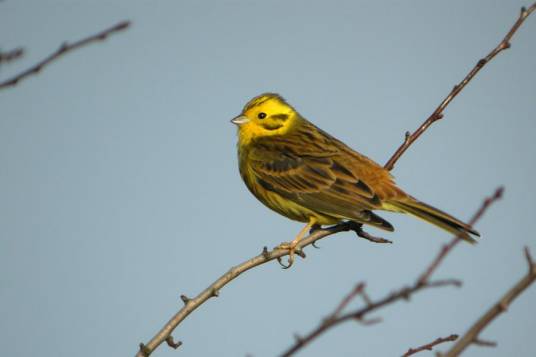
column 434, row 216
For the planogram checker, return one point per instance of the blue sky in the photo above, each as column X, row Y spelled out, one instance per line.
column 120, row 190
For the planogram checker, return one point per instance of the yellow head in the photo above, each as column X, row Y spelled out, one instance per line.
column 265, row 115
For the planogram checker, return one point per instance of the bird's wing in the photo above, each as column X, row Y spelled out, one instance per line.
column 317, row 173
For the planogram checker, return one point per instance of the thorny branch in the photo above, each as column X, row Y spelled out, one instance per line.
column 421, row 283
column 449, row 246
column 192, row 304
column 472, row 336
column 430, row 346
column 62, row 50
column 438, row 112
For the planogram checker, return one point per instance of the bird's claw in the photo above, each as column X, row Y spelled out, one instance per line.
column 290, row 262
column 293, row 250
column 314, row 228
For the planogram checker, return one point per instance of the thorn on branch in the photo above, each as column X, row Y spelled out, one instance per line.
column 63, row 48
column 171, row 342
column 185, row 299
column 530, row 262
column 405, row 294
column 265, row 253
column 298, row 339
column 144, row 350
column 407, row 137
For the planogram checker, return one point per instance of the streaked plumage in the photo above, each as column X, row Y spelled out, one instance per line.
column 305, row 174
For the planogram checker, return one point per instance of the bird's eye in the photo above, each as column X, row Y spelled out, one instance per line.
column 261, row 115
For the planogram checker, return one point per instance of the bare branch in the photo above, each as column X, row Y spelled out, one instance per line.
column 63, row 49
column 501, row 306
column 358, row 290
column 404, row 293
column 191, row 304
column 438, row 112
column 430, row 346
column 449, row 246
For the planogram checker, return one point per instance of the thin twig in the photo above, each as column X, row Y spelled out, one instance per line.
column 402, row 294
column 471, row 336
column 449, row 246
column 63, row 49
column 430, row 346
column 358, row 290
column 191, row 304
column 12, row 55
column 359, row 315
column 438, row 112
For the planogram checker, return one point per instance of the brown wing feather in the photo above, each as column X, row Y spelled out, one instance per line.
column 317, row 171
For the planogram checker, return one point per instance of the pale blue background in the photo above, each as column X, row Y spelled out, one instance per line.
column 119, row 188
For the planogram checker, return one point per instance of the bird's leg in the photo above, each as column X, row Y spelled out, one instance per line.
column 291, row 246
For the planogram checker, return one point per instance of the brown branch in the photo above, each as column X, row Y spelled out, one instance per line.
column 359, row 315
column 438, row 112
column 62, row 50
column 11, row 55
column 498, row 308
column 358, row 290
column 403, row 294
column 191, row 304
column 449, row 246
column 430, row 346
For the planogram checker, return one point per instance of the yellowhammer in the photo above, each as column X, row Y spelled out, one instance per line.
column 307, row 175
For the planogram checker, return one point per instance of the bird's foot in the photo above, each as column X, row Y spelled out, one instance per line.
column 293, row 250
column 292, row 247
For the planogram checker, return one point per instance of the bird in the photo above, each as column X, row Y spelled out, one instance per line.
column 303, row 173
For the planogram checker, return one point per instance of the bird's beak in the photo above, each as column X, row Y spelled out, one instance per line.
column 239, row 120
